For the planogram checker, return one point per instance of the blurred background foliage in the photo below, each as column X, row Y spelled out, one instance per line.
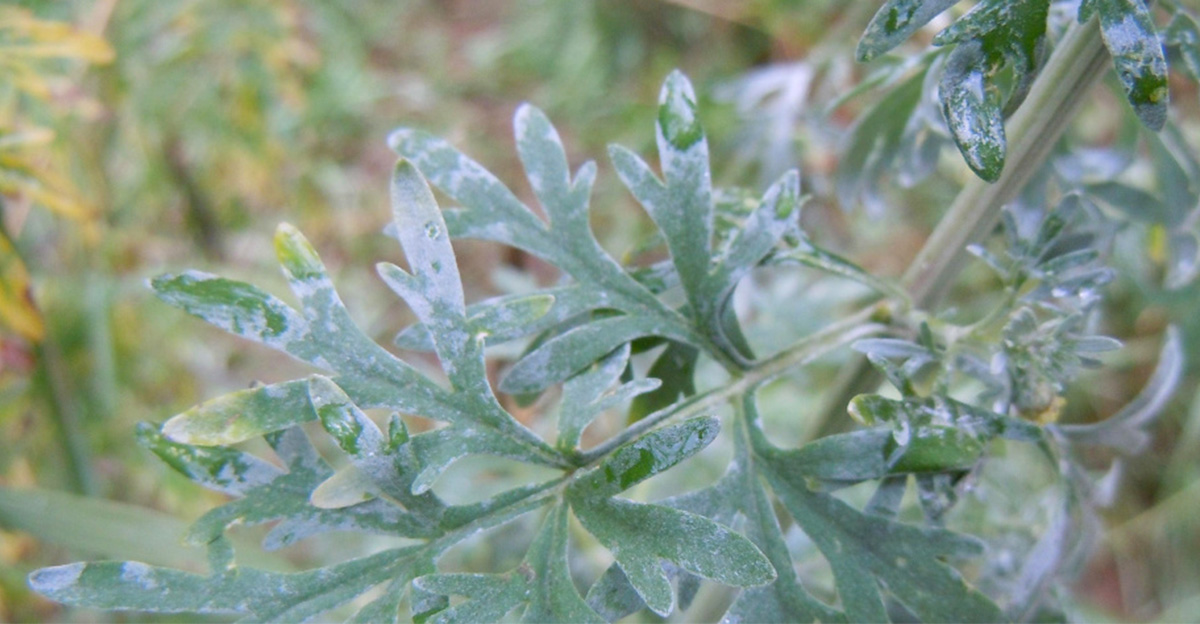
column 139, row 136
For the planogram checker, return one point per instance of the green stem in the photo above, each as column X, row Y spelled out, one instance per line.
column 844, row 332
column 66, row 414
column 1077, row 64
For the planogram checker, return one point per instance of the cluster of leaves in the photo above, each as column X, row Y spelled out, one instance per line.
column 587, row 327
column 999, row 47
column 595, row 333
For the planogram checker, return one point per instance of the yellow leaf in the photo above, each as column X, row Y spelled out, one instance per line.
column 18, row 313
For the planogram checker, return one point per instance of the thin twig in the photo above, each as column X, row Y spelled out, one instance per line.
column 846, row 331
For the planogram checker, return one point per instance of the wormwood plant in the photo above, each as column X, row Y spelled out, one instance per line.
column 630, row 339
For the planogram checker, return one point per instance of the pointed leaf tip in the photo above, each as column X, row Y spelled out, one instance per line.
column 55, row 580
column 648, row 456
column 677, row 118
column 896, row 21
column 297, row 256
column 973, row 111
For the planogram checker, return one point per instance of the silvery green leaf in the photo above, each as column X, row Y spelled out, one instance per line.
column 1177, row 171
column 501, row 319
column 1125, row 431
column 286, row 498
column 491, row 211
column 217, row 468
column 236, row 307
column 1183, row 33
column 256, row 594
column 371, row 375
column 542, row 581
column 1009, row 32
column 886, row 500
column 551, row 592
column 436, row 450
column 241, row 415
column 489, row 596
column 1096, row 344
column 681, row 205
column 1184, row 263
column 1132, row 39
column 874, row 409
column 875, row 453
column 569, row 352
column 347, row 486
column 433, row 287
column 909, row 561
column 774, row 216
column 582, row 393
column 249, row 413
column 338, row 345
column 500, row 508
column 645, row 457
column 972, row 107
column 761, row 231
column 640, row 535
column 1064, row 264
column 385, row 608
column 1041, row 564
column 545, row 161
column 356, row 434
column 741, row 489
column 612, row 596
column 993, row 35
column 892, row 348
column 424, row 605
column 895, row 22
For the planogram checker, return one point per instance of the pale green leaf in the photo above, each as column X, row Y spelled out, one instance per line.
column 345, row 487
column 551, row 593
column 236, row 307
column 1126, row 430
column 862, row 548
column 385, row 608
column 1183, row 32
column 286, row 498
column 217, row 468
column 489, row 596
column 242, row 415
column 682, row 205
column 491, row 211
column 569, row 352
column 641, row 535
column 1132, row 39
column 895, row 22
column 973, row 110
column 645, row 457
column 500, row 319
column 582, row 394
column 258, row 595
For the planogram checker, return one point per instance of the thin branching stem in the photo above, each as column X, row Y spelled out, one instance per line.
column 859, row 325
